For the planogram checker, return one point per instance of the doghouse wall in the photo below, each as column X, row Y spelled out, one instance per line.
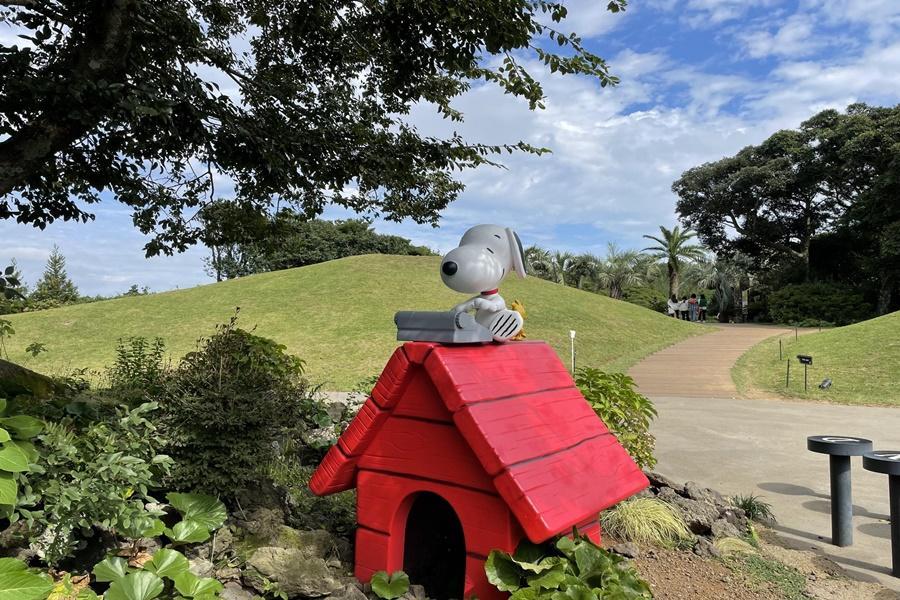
column 383, row 504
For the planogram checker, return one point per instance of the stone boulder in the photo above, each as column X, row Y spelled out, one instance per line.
column 297, row 574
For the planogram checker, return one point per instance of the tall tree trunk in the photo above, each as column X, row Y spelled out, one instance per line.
column 673, row 279
column 885, row 294
column 16, row 379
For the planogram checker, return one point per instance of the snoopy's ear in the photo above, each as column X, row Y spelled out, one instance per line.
column 516, row 253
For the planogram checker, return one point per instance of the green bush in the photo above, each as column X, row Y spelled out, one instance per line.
column 97, row 475
column 645, row 521
column 138, row 369
column 571, row 568
column 624, row 411
column 646, row 296
column 227, row 409
column 819, row 304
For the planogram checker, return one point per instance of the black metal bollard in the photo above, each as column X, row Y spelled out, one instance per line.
column 839, row 449
column 888, row 461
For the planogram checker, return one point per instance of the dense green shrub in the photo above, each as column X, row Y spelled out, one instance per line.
column 228, row 407
column 100, row 474
column 818, row 303
column 571, row 568
column 624, row 411
column 138, row 369
column 646, row 296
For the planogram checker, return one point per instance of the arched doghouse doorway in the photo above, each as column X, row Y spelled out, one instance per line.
column 434, row 548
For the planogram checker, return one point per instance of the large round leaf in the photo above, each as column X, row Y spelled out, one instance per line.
column 11, row 565
column 23, row 426
column 4, row 435
column 142, row 585
column 13, row 458
column 111, row 568
column 192, row 586
column 8, row 489
column 23, row 585
column 188, row 532
column 206, row 510
column 167, row 563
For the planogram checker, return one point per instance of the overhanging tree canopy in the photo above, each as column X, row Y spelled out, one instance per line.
column 120, row 96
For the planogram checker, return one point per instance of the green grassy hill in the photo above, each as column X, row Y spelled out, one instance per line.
column 337, row 316
column 863, row 360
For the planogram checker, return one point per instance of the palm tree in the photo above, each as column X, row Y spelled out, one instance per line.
column 582, row 270
column 552, row 266
column 619, row 270
column 674, row 248
column 722, row 275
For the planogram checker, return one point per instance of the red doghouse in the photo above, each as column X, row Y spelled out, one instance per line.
column 464, row 449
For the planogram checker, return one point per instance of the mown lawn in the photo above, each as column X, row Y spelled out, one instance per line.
column 338, row 317
column 863, row 360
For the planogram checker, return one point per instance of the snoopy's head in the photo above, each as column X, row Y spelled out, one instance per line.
column 486, row 253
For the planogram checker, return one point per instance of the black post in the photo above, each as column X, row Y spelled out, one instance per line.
column 787, row 378
column 796, row 334
column 804, row 376
column 841, row 501
column 780, row 357
column 894, row 485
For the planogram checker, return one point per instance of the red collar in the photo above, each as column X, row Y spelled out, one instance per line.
column 490, row 292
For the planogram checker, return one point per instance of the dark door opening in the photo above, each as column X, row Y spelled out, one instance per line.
column 434, row 551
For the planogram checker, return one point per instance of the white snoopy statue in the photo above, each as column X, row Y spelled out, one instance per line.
column 485, row 255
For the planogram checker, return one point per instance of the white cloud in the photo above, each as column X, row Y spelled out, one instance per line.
column 795, row 37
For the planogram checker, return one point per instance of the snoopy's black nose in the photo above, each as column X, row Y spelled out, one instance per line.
column 449, row 268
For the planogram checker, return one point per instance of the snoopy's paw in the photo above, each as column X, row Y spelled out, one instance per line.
column 505, row 325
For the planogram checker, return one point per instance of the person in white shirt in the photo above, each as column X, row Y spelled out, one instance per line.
column 672, row 306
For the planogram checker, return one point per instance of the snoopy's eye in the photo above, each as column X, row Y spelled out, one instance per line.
column 489, row 250
column 498, row 237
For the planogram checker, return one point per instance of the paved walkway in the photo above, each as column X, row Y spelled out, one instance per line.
column 700, row 366
column 742, row 446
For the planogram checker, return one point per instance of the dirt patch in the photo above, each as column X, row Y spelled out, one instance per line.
column 679, row 574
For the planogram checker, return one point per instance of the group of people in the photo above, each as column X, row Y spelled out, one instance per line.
column 688, row 309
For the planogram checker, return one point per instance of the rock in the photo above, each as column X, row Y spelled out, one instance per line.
column 349, row 592
column 660, row 481
column 722, row 529
column 335, row 411
column 201, row 567
column 736, row 517
column 706, row 549
column 702, row 494
column 228, row 573
column 698, row 516
column 234, row 591
column 627, row 549
column 314, row 544
column 295, row 572
column 263, row 523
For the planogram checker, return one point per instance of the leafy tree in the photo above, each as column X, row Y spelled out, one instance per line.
column 764, row 202
column 619, row 270
column 12, row 288
column 122, row 95
column 289, row 240
column 724, row 275
column 673, row 247
column 54, row 284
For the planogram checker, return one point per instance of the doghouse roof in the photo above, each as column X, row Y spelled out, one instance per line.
column 552, row 460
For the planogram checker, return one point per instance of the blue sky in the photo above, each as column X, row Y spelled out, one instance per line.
column 700, row 80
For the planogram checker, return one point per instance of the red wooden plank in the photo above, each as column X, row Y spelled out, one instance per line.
column 425, row 449
column 477, row 584
column 336, row 473
column 371, row 554
column 551, row 494
column 363, row 428
column 486, row 520
column 466, row 375
column 416, row 352
column 390, row 385
column 421, row 400
column 509, row 431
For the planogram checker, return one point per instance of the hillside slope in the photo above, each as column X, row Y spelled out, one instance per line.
column 862, row 360
column 337, row 316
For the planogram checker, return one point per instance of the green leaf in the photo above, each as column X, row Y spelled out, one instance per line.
column 206, row 510
column 4, row 435
column 142, row 585
column 549, row 579
column 167, row 563
column 502, row 571
column 11, row 565
column 24, row 426
column 526, row 593
column 188, row 532
column 527, row 552
column 156, row 528
column 13, row 458
column 23, row 585
column 192, row 586
column 391, row 587
column 8, row 489
column 111, row 568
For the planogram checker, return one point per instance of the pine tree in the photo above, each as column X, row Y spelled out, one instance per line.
column 22, row 288
column 54, row 284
